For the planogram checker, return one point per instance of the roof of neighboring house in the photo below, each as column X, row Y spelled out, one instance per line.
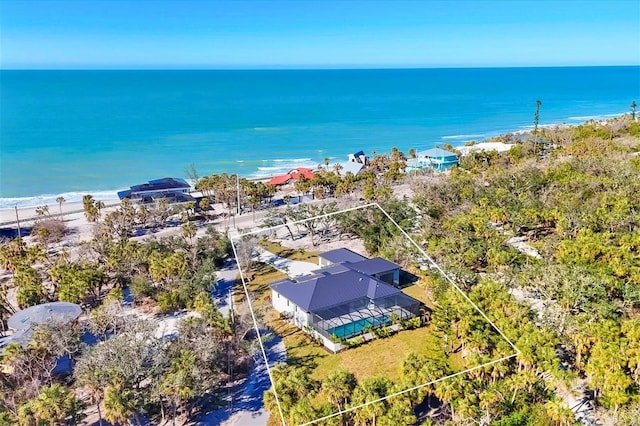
column 373, row 266
column 292, row 174
column 164, row 184
column 308, row 173
column 342, row 255
column 322, row 292
column 436, row 152
column 358, row 154
column 352, row 167
column 40, row 314
column 279, row 180
column 23, row 322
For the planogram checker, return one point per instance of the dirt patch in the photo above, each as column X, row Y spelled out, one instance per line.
column 302, row 241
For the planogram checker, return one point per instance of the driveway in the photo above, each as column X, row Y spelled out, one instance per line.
column 244, row 405
column 226, row 277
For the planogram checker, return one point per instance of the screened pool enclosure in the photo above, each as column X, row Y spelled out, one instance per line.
column 361, row 315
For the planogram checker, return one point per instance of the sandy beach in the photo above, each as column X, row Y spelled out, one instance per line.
column 68, row 210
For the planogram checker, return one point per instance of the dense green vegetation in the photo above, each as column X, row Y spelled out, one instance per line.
column 130, row 368
column 578, row 205
column 573, row 198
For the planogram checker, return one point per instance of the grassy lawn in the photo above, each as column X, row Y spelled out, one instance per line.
column 419, row 293
column 258, row 281
column 288, row 253
column 377, row 357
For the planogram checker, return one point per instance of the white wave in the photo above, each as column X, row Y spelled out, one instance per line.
column 7, row 203
column 595, row 117
column 267, row 129
column 278, row 167
column 462, row 136
column 270, row 169
column 290, row 160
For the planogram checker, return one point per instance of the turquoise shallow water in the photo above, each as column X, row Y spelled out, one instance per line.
column 73, row 132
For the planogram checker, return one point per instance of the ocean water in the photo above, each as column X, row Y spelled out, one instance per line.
column 78, row 132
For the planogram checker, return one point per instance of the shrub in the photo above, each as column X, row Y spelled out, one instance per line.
column 411, row 323
column 356, row 342
column 383, row 332
column 169, row 301
column 49, row 230
column 141, row 287
column 114, row 294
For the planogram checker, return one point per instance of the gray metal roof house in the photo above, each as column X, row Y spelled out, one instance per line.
column 340, row 255
column 23, row 322
column 342, row 300
column 377, row 267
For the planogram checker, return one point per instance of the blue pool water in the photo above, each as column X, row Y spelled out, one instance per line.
column 356, row 327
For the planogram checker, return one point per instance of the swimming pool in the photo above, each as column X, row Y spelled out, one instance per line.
column 354, row 328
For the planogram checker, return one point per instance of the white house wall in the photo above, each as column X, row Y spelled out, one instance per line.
column 281, row 303
column 284, row 305
column 323, row 263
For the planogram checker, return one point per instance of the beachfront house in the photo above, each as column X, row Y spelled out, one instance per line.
column 351, row 167
column 340, row 300
column 434, row 159
column 355, row 163
column 358, row 157
column 174, row 189
column 290, row 177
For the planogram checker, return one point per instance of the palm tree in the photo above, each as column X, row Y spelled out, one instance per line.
column 179, row 382
column 371, row 389
column 339, row 386
column 60, row 200
column 559, row 413
column 523, row 380
column 536, row 120
column 448, row 391
column 54, row 404
column 633, row 109
column 302, row 412
column 91, row 211
column 100, row 205
column 118, row 405
column 189, row 231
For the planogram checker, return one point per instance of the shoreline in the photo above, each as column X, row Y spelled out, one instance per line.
column 482, row 142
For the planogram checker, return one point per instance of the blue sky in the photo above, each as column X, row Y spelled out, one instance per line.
column 317, row 34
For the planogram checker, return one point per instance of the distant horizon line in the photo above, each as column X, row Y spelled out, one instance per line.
column 310, row 68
